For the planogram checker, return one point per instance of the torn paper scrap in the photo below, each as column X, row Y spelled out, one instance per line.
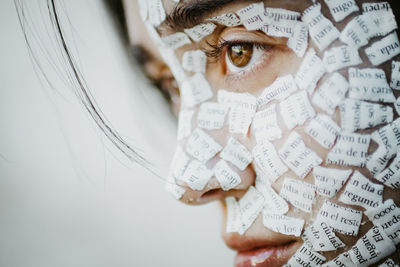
column 198, row 32
column 194, row 61
column 237, row 154
column 320, row 237
column 227, row 177
column 252, row 16
column 296, row 110
column 310, row 71
column 156, row 12
column 229, row 19
column 384, row 49
column 283, row 224
column 202, row 146
column 324, row 130
column 184, row 123
column 395, row 78
column 211, row 116
column 391, row 175
column 388, row 137
column 197, row 175
column 250, row 206
column 233, row 217
column 305, row 256
column 340, row 9
column 265, row 125
column 176, row 40
column 343, row 260
column 195, row 90
column 329, row 181
column 274, row 203
column 340, row 57
column 298, row 193
column 280, row 89
column 298, row 42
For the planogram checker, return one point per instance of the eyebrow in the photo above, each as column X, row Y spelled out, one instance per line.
column 189, row 14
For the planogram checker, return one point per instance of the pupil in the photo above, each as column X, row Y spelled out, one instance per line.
column 240, row 54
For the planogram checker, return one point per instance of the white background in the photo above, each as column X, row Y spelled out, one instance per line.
column 67, row 197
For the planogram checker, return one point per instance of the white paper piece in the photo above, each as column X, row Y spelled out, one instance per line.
column 341, row 219
column 372, row 247
column 179, row 163
column 329, row 181
column 357, row 31
column 175, row 40
column 391, row 175
column 305, row 256
column 274, row 203
column 320, row 237
column 198, row 32
column 229, row 19
column 156, row 12
column 143, row 9
column 267, row 160
column 194, row 61
column 283, row 28
column 265, row 125
column 388, row 217
column 324, row 130
column 388, row 263
column 361, row 192
column 280, row 14
column 382, row 18
column 184, row 123
column 331, row 93
column 322, row 31
column 311, row 70
column 227, row 177
column 397, row 106
column 352, row 113
column 370, row 84
column 299, row 158
column 211, row 116
column 384, row 49
column 377, row 162
column 280, row 89
column 195, row 90
column 233, row 217
column 283, row 224
column 298, row 193
column 395, row 78
column 298, row 42
column 343, row 260
column 197, row 175
column 173, row 63
column 340, row 9
column 202, row 146
column 340, row 57
column 250, row 206
column 252, row 16
column 237, row 154
column 296, row 110
column 172, row 188
column 388, row 137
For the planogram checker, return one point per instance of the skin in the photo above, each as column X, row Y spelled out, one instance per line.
column 278, row 62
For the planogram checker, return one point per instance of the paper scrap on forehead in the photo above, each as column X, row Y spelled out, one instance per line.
column 233, row 217
column 298, row 193
column 320, row 237
column 143, row 9
column 343, row 260
column 229, row 19
column 197, row 175
column 384, row 49
column 195, row 90
column 395, row 78
column 280, row 14
column 283, row 28
column 311, row 70
column 322, row 31
column 227, row 177
column 198, row 32
column 175, row 40
column 360, row 191
column 353, row 115
column 179, row 163
column 211, row 116
column 351, row 149
column 388, row 263
column 194, row 61
column 237, row 154
column 252, row 16
column 298, row 42
column 299, row 158
column 296, row 110
column 382, row 18
column 172, row 188
column 329, row 181
column 388, row 137
column 357, row 31
column 202, row 146
column 377, row 162
column 184, row 123
column 372, row 247
column 283, row 224
column 280, row 89
column 341, row 219
column 156, row 12
column 267, row 160
column 391, row 175
column 274, row 203
column 340, row 9
column 265, row 125
column 340, row 57
column 305, row 256
column 388, row 217
column 370, row 84
column 331, row 93
column 173, row 63
column 324, row 130
column 250, row 206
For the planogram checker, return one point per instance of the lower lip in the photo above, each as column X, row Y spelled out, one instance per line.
column 268, row 256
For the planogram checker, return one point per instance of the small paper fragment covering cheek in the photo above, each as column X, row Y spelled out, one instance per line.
column 195, row 90
column 265, row 125
column 296, row 110
column 300, row 194
column 273, row 202
column 250, row 206
column 175, row 40
column 324, row 130
column 388, row 137
column 341, row 219
column 384, row 49
column 388, row 263
column 305, row 256
column 320, row 237
column 197, row 175
column 297, row 156
column 340, row 9
column 184, row 123
column 175, row 190
column 360, row 191
column 233, row 217
column 227, row 177
column 340, row 57
column 351, row 149
column 237, row 154
column 372, row 247
column 343, row 260
column 381, row 17
column 388, row 217
column 169, row 57
column 229, row 19
column 194, row 61
column 280, row 89
column 198, row 32
column 283, row 224
column 391, row 175
column 310, row 71
column 252, row 16
column 329, row 181
column 322, row 31
column 201, row 146
column 357, row 31
column 395, row 78
column 211, row 116
column 377, row 162
column 298, row 42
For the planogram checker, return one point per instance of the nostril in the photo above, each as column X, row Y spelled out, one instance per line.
column 211, row 195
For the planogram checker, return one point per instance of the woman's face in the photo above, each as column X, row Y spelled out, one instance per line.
column 286, row 117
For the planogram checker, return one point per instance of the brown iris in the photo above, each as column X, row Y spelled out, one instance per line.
column 240, row 54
